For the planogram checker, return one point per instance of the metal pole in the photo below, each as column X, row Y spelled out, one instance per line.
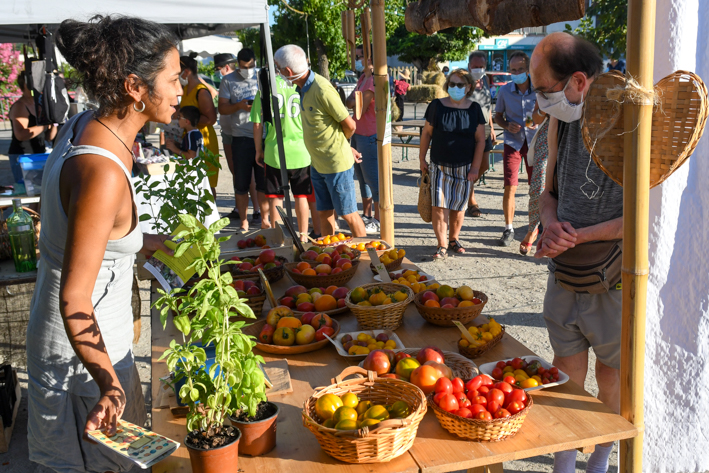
column 381, row 98
column 277, row 121
column 636, row 192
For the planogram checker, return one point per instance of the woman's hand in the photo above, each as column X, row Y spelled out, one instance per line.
column 423, row 165
column 105, row 414
column 153, row 243
column 473, row 174
column 356, row 155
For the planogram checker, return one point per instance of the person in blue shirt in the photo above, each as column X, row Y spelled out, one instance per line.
column 513, row 112
column 192, row 141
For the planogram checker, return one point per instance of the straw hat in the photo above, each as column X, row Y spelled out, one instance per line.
column 405, row 75
column 679, row 115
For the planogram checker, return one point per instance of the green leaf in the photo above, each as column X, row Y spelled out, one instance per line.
column 182, row 323
column 194, row 395
column 145, row 217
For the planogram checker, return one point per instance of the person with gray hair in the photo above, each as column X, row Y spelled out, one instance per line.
column 327, row 127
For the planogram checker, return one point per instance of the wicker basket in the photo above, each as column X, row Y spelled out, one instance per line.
column 381, row 317
column 480, row 430
column 273, row 274
column 357, row 255
column 393, row 266
column 339, row 279
column 386, row 440
column 5, row 247
column 461, row 367
column 475, row 352
column 445, row 317
column 678, row 122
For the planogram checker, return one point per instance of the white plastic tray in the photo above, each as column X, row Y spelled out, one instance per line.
column 340, row 349
column 563, row 377
column 429, row 278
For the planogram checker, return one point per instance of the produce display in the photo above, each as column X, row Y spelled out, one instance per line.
column 348, row 412
column 323, row 267
column 259, row 241
column 328, row 254
column 267, row 259
column 364, row 343
column 283, row 328
column 320, row 299
column 245, row 287
column 482, row 334
column 518, row 372
column 448, row 298
column 392, row 255
column 332, row 239
column 374, row 244
column 479, row 398
column 413, row 279
column 375, row 296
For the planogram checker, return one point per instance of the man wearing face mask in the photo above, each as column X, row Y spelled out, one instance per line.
column 236, row 95
column 477, row 63
column 582, row 215
column 515, row 102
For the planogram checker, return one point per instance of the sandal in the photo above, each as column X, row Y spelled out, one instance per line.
column 525, row 247
column 454, row 245
column 474, row 211
column 440, row 254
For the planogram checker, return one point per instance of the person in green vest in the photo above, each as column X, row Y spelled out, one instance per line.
column 297, row 158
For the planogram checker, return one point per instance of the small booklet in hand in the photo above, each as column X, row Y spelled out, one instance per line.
column 139, row 445
column 172, row 272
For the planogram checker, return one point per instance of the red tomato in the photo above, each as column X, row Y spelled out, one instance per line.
column 493, row 406
column 463, row 412
column 465, row 403
column 501, row 365
column 518, row 364
column 495, row 395
column 483, row 416
column 541, row 371
column 487, row 381
column 437, row 397
column 554, row 370
column 497, row 373
column 448, row 403
column 476, row 408
column 472, row 394
column 482, row 400
column 510, row 380
column 514, row 407
column 504, row 387
column 458, row 386
column 474, row 383
column 483, row 390
column 502, row 413
column 443, row 385
column 518, row 395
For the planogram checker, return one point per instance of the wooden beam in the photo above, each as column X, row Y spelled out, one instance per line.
column 636, row 201
column 495, row 17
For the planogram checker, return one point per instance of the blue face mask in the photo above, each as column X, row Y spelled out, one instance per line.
column 519, row 78
column 456, row 93
column 359, row 67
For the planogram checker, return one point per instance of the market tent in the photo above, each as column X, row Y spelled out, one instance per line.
column 20, row 20
column 208, row 46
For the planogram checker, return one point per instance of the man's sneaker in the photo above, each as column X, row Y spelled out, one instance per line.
column 256, row 218
column 377, row 223
column 508, row 236
column 234, row 215
column 370, row 226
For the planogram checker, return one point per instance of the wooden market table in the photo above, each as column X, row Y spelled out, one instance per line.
column 562, row 418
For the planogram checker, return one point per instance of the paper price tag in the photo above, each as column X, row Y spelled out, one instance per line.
column 465, row 333
column 378, row 266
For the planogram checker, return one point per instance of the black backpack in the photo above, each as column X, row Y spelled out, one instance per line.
column 48, row 88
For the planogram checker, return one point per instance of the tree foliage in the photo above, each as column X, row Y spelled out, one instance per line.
column 251, row 38
column 606, row 25
column 325, row 28
column 452, row 44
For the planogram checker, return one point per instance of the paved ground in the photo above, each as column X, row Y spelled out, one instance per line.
column 515, row 284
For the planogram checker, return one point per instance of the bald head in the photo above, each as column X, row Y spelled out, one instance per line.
column 559, row 55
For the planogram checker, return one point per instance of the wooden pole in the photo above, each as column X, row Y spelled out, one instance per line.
column 381, row 100
column 636, row 190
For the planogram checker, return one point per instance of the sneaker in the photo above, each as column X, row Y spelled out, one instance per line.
column 314, row 235
column 377, row 223
column 256, row 218
column 234, row 215
column 508, row 236
column 370, row 227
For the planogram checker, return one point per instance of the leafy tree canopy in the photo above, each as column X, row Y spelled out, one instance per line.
column 452, row 44
column 606, row 25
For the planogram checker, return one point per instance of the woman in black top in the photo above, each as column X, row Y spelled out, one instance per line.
column 457, row 127
column 27, row 136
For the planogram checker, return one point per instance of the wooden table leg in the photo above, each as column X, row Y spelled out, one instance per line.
column 494, row 468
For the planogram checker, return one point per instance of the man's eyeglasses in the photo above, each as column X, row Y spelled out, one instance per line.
column 551, row 89
column 460, row 85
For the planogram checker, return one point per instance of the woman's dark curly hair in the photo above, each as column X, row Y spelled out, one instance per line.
column 189, row 62
column 106, row 50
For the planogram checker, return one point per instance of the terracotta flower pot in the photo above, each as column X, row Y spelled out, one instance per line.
column 257, row 438
column 223, row 459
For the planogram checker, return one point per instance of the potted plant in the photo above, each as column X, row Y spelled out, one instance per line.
column 230, row 382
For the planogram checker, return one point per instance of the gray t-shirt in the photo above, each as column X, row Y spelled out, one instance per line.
column 235, row 88
column 483, row 98
column 587, row 196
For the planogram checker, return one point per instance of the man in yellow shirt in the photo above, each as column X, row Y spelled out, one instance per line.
column 327, row 127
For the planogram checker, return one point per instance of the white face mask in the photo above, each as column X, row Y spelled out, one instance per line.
column 289, row 80
column 183, row 81
column 477, row 74
column 558, row 106
column 247, row 73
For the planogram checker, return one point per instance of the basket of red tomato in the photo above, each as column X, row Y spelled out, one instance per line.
column 479, row 409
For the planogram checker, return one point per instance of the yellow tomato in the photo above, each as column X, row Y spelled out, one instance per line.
column 401, row 253
column 390, row 344
column 485, row 328
column 380, row 344
column 463, row 343
column 522, row 372
column 508, row 369
column 521, row 377
column 362, row 337
column 529, row 383
column 538, row 378
column 487, row 336
column 350, row 400
column 473, row 330
column 372, row 346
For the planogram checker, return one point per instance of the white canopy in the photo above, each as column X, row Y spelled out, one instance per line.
column 210, row 45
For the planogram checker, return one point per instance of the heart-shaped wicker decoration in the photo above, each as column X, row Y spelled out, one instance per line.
column 678, row 120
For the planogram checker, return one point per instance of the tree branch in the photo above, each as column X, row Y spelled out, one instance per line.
column 495, row 17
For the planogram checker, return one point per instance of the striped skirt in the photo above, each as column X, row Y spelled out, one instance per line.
column 450, row 187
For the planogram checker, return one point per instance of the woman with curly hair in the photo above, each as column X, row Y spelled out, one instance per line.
column 80, row 365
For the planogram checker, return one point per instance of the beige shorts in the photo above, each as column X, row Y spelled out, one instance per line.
column 579, row 321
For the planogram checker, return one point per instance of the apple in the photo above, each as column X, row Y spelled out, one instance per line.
column 267, row 256
column 245, row 266
column 305, row 307
column 447, row 306
column 321, row 320
column 253, row 291
column 270, row 265
column 256, row 268
column 258, row 261
column 429, row 354
column 450, row 301
column 241, row 244
column 347, row 257
column 305, row 335
column 235, row 258
column 313, row 290
column 249, row 260
column 316, row 249
column 341, row 262
column 340, row 293
column 429, row 295
column 250, row 243
column 343, row 248
column 239, row 284
column 296, row 271
column 335, row 255
column 309, row 255
column 322, row 331
column 294, row 291
column 336, row 271
column 341, row 303
column 328, row 249
column 377, row 361
column 288, row 302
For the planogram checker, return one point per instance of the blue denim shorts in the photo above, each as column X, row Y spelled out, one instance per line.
column 367, row 171
column 335, row 191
